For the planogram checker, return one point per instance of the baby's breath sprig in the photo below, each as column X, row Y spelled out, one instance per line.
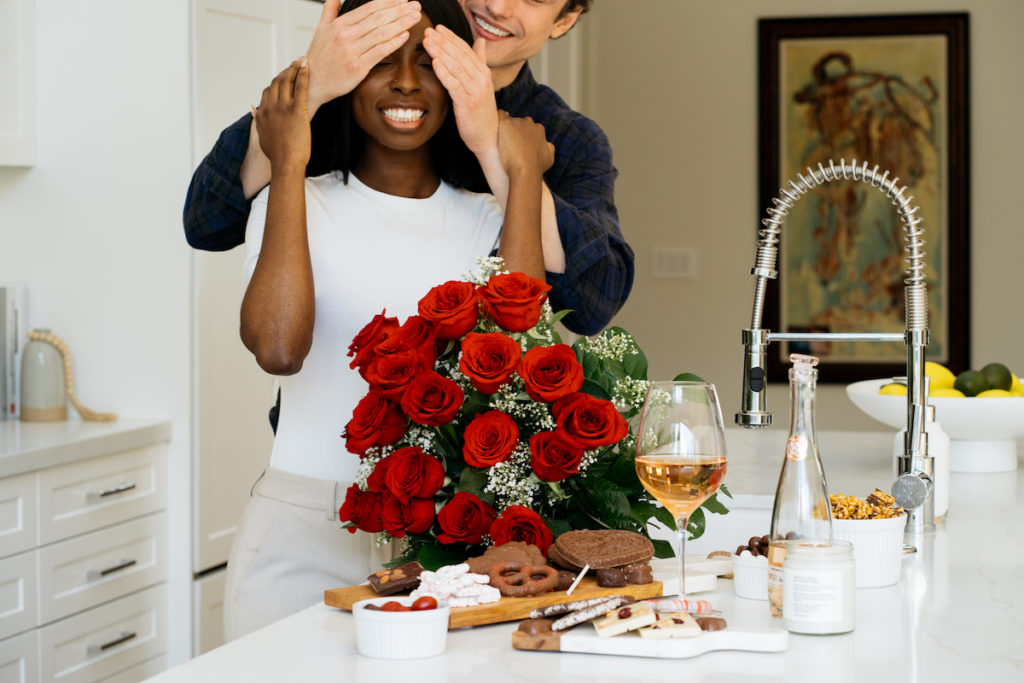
column 611, row 345
column 485, row 267
column 512, row 482
column 367, row 463
column 629, row 393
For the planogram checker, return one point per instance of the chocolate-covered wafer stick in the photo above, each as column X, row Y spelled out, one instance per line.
column 571, row 606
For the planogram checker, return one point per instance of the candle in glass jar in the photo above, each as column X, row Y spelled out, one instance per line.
column 818, row 587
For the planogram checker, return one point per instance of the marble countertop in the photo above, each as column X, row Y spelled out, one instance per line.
column 30, row 446
column 957, row 613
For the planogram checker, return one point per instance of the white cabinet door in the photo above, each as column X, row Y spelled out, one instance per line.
column 17, row 83
column 240, row 45
column 17, row 514
column 19, row 604
column 208, row 608
column 19, row 658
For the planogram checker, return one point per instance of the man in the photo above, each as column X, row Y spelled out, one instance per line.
column 588, row 263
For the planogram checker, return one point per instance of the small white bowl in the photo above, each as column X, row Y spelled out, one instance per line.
column 981, row 430
column 750, row 576
column 877, row 548
column 400, row 635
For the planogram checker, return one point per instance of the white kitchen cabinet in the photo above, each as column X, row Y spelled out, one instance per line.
column 209, row 602
column 17, row 83
column 87, row 601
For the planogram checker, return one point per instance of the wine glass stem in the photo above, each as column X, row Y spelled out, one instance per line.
column 681, row 523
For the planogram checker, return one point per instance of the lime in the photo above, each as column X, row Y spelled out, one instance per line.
column 998, row 376
column 971, row 382
column 893, row 389
column 942, row 377
column 994, row 393
column 946, row 393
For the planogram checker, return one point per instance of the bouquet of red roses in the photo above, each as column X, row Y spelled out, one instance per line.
column 480, row 427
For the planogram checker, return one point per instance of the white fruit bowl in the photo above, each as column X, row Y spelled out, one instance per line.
column 981, row 430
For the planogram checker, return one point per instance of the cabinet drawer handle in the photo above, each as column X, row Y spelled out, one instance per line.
column 123, row 564
column 120, row 488
column 124, row 637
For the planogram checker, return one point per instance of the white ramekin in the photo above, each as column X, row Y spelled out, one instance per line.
column 750, row 576
column 877, row 548
column 400, row 635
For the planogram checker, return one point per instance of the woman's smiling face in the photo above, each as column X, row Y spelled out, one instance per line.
column 401, row 104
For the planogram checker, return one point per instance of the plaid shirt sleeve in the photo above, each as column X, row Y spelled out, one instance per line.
column 216, row 209
column 598, row 273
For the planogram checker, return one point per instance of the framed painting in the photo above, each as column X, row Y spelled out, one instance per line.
column 890, row 91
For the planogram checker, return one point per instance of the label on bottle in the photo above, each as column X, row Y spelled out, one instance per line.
column 814, row 596
column 796, row 448
column 776, row 556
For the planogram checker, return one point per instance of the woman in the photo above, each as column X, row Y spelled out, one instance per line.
column 327, row 253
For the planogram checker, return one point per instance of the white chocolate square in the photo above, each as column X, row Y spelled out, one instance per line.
column 672, row 625
column 625, row 618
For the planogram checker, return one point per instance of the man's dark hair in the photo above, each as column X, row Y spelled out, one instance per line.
column 573, row 5
column 337, row 142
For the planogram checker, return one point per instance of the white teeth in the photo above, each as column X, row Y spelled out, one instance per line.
column 404, row 115
column 491, row 28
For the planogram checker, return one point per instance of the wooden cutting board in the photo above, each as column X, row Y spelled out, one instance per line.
column 506, row 609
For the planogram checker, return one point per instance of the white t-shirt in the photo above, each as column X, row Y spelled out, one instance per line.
column 370, row 251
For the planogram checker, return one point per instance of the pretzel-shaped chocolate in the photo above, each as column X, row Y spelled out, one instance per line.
column 516, row 580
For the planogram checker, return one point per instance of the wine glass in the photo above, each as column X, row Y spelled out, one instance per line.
column 680, row 450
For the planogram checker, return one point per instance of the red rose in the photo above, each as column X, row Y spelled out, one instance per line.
column 518, row 523
column 465, row 519
column 392, row 373
column 363, row 509
column 378, row 479
column 452, row 307
column 551, row 372
column 415, row 334
column 489, row 439
column 375, row 422
column 561, row 404
column 554, row 457
column 488, row 360
column 431, row 399
column 514, row 300
column 373, row 333
column 411, row 473
column 413, row 517
column 591, row 422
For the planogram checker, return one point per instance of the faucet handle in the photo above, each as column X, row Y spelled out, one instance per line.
column 912, row 490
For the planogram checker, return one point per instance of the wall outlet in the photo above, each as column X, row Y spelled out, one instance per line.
column 673, row 262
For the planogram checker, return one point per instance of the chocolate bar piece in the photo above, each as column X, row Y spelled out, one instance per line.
column 671, row 625
column 638, row 574
column 622, row 619
column 397, row 579
column 612, row 577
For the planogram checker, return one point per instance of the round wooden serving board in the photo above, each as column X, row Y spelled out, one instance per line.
column 506, row 609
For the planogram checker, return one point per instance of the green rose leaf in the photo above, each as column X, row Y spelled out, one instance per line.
column 433, row 558
column 662, row 549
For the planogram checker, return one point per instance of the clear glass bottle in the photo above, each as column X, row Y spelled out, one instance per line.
column 801, row 508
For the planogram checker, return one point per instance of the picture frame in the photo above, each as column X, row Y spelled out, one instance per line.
column 892, row 91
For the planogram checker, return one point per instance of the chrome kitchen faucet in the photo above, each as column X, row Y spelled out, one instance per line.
column 914, row 484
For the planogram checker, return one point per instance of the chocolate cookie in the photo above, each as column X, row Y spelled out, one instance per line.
column 600, row 548
column 515, row 552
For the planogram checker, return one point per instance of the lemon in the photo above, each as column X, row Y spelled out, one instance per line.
column 994, row 393
column 942, row 377
column 1015, row 384
column 998, row 376
column 893, row 389
column 1017, row 391
column 971, row 382
column 946, row 393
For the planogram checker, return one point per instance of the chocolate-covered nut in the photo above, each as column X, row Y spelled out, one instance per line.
column 765, row 540
column 740, row 549
column 611, row 577
column 535, row 626
column 565, row 579
column 396, row 579
column 711, row 623
column 754, row 541
column 754, row 550
column 638, row 574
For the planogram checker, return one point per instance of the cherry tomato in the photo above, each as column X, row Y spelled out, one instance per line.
column 424, row 602
column 394, row 606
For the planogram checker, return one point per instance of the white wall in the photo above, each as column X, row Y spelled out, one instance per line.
column 94, row 229
column 674, row 84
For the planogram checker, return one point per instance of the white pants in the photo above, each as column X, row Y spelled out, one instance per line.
column 289, row 548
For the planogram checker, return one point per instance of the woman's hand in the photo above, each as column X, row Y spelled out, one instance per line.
column 523, row 146
column 282, row 121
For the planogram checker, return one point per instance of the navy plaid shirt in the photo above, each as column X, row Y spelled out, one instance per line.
column 598, row 263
